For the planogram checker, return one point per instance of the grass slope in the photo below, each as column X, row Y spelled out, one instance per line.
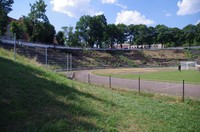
column 35, row 99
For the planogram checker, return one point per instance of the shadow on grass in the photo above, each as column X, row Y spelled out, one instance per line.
column 29, row 101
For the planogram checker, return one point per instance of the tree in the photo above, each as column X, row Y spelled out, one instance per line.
column 96, row 29
column 91, row 29
column 82, row 29
column 17, row 27
column 68, row 35
column 60, row 37
column 48, row 33
column 197, row 37
column 150, row 36
column 122, row 34
column 111, row 34
column 190, row 33
column 131, row 33
column 5, row 8
column 176, row 37
column 140, row 34
column 38, row 11
column 162, row 34
column 37, row 24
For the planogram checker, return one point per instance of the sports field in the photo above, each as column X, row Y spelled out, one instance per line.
column 158, row 74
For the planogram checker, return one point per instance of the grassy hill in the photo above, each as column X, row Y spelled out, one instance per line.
column 35, row 99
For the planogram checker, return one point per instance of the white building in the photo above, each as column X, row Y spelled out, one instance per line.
column 128, row 46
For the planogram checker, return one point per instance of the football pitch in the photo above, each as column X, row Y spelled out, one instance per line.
column 155, row 74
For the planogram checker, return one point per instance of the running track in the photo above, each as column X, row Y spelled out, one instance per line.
column 170, row 88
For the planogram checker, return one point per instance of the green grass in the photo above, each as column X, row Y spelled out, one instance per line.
column 35, row 99
column 191, row 76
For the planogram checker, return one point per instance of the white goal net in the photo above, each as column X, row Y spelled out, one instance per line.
column 188, row 65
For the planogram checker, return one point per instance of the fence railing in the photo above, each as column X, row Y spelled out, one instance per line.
column 180, row 89
column 51, row 58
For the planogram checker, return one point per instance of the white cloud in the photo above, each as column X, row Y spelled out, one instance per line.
column 167, row 14
column 115, row 2
column 188, row 7
column 109, row 1
column 197, row 22
column 132, row 17
column 74, row 8
column 121, row 5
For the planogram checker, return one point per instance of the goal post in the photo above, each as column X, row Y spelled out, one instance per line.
column 188, row 65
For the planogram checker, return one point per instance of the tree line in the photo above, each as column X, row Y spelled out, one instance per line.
column 91, row 31
column 35, row 27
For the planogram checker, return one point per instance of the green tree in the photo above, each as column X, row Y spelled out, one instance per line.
column 48, row 33
column 162, row 32
column 140, row 34
column 60, row 37
column 176, row 37
column 5, row 8
column 96, row 29
column 131, row 33
column 190, row 33
column 111, row 35
column 122, row 34
column 150, row 36
column 82, row 29
column 37, row 24
column 18, row 28
column 68, row 35
column 91, row 29
column 37, row 12
column 197, row 37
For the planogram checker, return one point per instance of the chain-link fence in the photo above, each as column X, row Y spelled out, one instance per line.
column 181, row 89
column 59, row 60
column 51, row 58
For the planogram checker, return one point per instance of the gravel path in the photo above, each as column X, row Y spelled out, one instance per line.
column 171, row 88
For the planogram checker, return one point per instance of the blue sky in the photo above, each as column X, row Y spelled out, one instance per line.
column 172, row 13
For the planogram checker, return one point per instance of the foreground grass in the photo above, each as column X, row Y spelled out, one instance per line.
column 35, row 99
column 191, row 76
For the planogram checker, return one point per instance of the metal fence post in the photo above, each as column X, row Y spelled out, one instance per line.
column 70, row 62
column 139, row 85
column 15, row 46
column 88, row 78
column 67, row 61
column 183, row 96
column 46, row 56
column 74, row 76
column 110, row 81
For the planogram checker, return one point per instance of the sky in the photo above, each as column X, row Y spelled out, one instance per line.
column 172, row 13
